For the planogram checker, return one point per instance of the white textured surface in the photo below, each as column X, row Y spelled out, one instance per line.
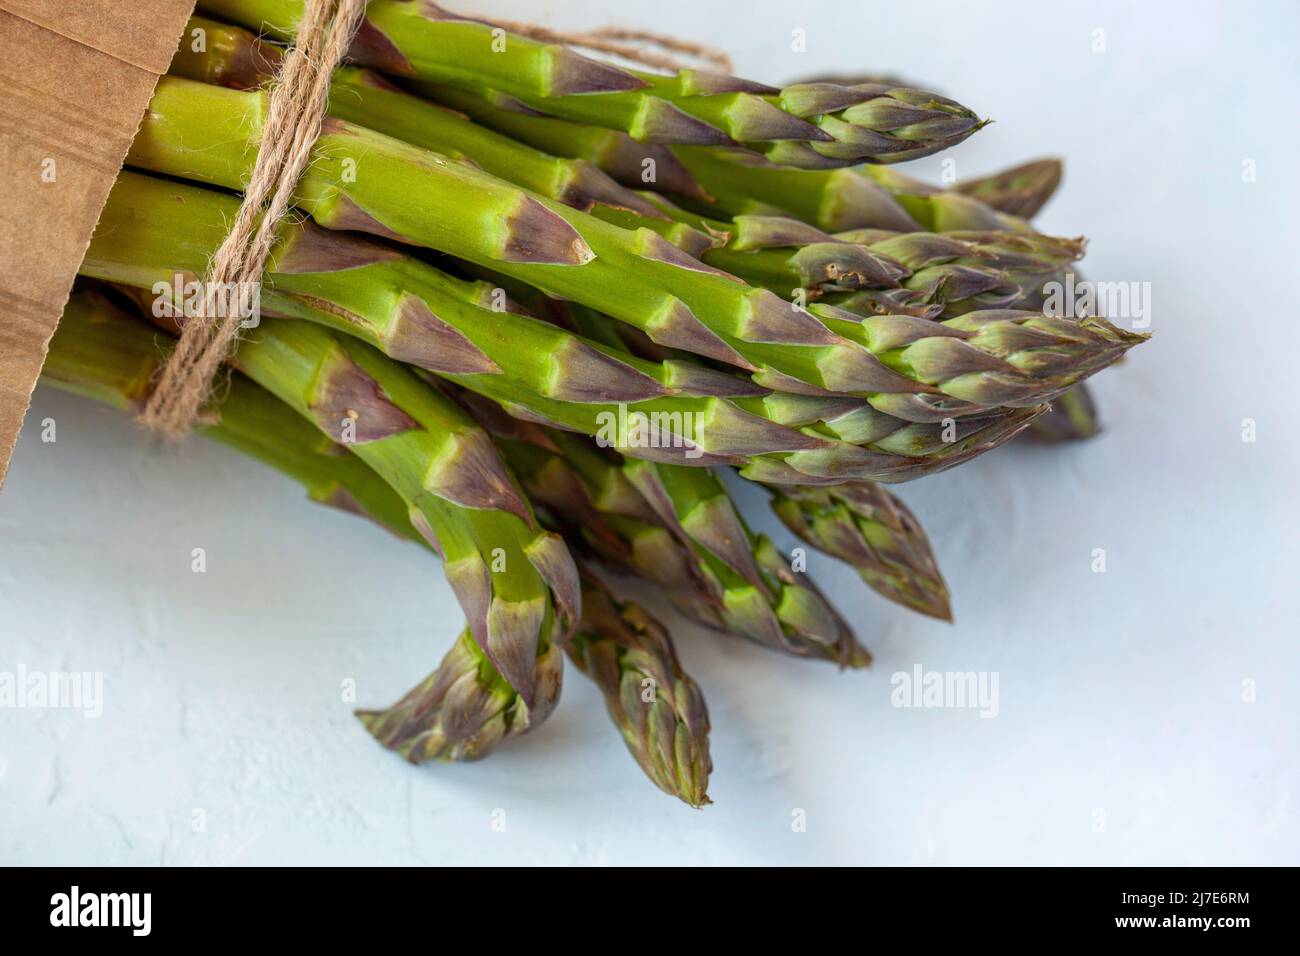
column 1120, row 692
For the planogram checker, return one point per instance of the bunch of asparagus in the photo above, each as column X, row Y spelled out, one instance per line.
column 537, row 306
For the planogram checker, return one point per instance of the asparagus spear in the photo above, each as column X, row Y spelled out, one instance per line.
column 755, row 248
column 858, row 522
column 516, row 581
column 957, row 272
column 693, row 544
column 864, row 525
column 465, row 708
column 817, row 124
column 763, row 598
column 232, row 57
column 1000, row 270
column 772, row 252
column 634, row 276
column 738, row 182
column 728, row 182
column 870, row 197
column 236, row 58
column 151, row 230
column 1020, row 191
column 101, row 352
column 461, row 710
column 636, row 165
column 1001, row 202
column 654, row 703
column 916, row 273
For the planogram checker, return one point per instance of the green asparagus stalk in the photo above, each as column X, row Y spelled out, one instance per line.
column 1020, row 191
column 653, row 702
column 361, row 96
column 1001, row 202
column 728, row 182
column 635, row 165
column 738, row 182
column 915, row 273
column 238, row 59
column 858, row 522
column 516, row 581
column 357, row 176
column 224, row 55
column 763, row 598
column 103, row 353
column 151, row 230
column 695, row 546
column 1004, row 202
column 460, row 712
column 464, row 709
column 817, row 124
column 771, row 252
column 957, row 272
column 231, row 58
column 942, row 432
column 864, row 197
column 865, row 526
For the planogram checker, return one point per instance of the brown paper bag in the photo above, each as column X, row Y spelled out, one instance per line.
column 78, row 75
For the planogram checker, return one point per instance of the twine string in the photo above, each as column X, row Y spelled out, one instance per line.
column 296, row 109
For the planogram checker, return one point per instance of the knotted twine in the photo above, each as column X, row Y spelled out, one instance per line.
column 299, row 98
column 297, row 106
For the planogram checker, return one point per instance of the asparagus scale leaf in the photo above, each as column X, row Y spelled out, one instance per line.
column 653, row 702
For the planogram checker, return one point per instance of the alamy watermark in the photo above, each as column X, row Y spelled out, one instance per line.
column 62, row 690
column 636, row 429
column 187, row 297
column 130, row 910
column 1075, row 299
column 973, row 690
